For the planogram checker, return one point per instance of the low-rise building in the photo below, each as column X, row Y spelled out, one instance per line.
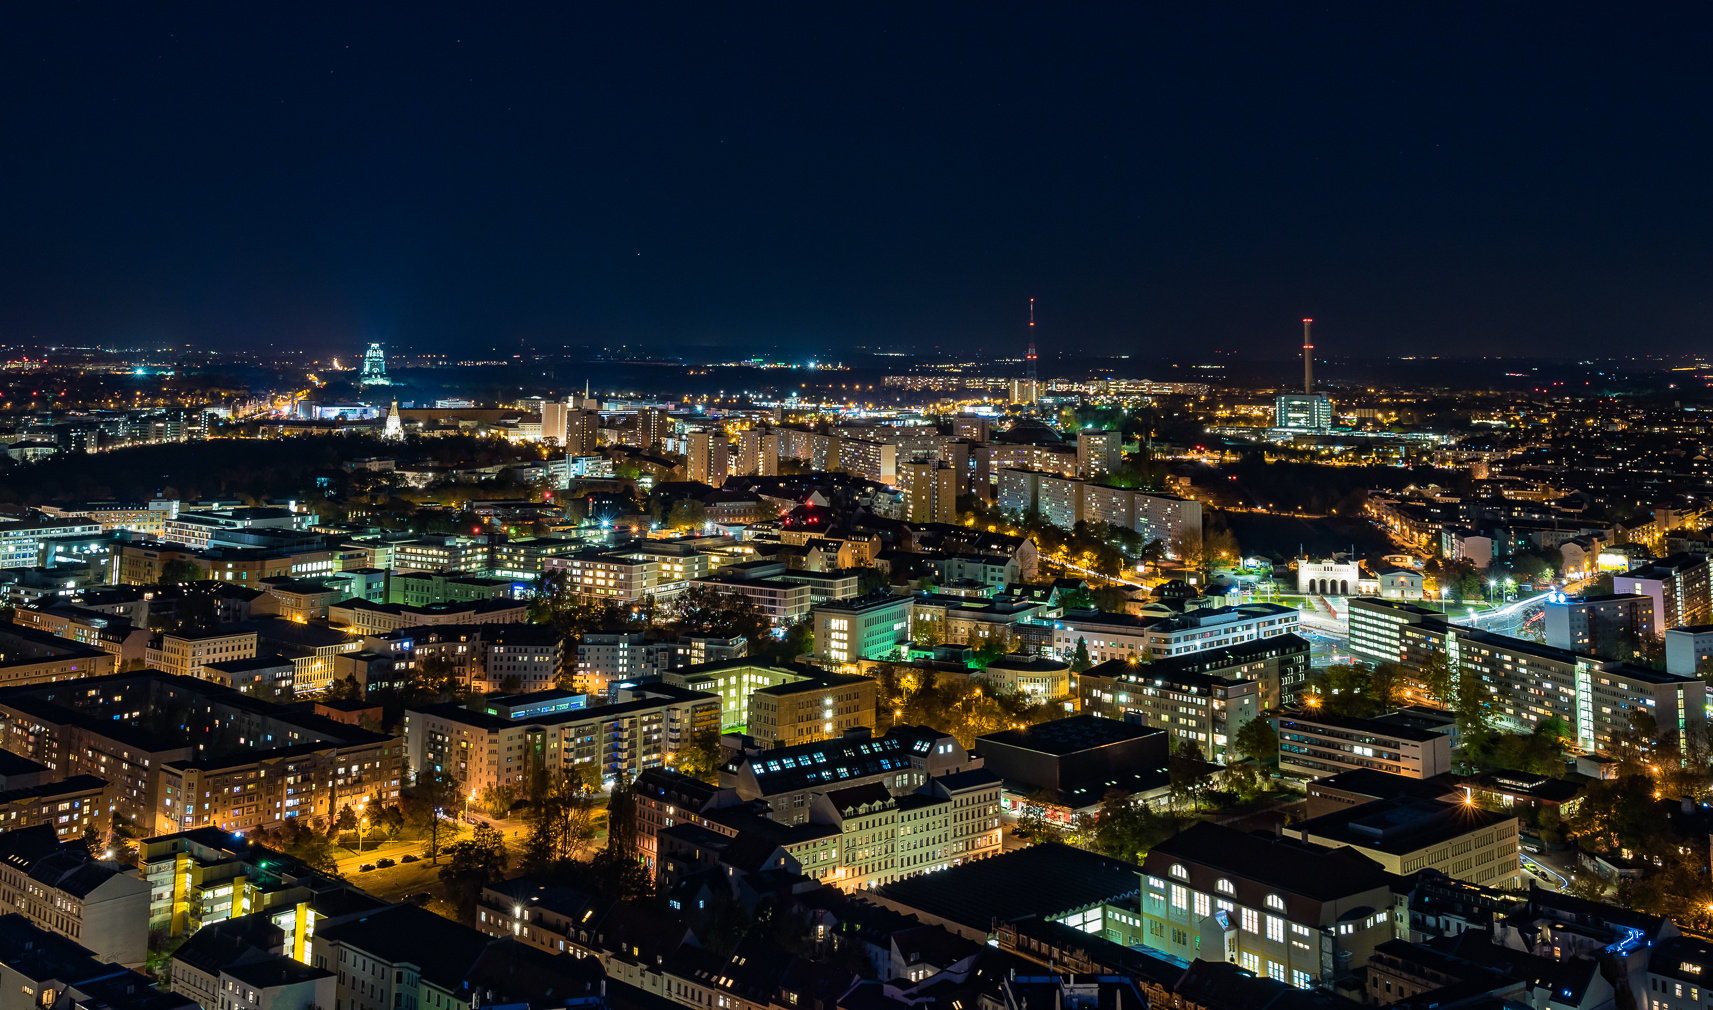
column 65, row 890
column 1316, row 745
column 868, row 627
column 1409, row 834
column 1205, row 710
column 805, row 711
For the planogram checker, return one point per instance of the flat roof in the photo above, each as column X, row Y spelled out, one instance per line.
column 1041, row 880
column 1399, row 825
column 1068, row 736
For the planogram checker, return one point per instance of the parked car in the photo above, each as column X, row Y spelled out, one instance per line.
column 419, row 898
column 381, row 864
column 413, row 857
column 365, row 868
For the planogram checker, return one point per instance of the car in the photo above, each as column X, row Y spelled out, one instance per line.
column 419, row 898
column 365, row 868
column 381, row 864
column 413, row 857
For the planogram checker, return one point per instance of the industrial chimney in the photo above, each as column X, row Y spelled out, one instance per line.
column 1308, row 359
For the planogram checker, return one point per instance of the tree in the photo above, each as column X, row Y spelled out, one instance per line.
column 1080, row 661
column 699, row 757
column 1035, row 821
column 1258, row 740
column 1185, row 770
column 687, row 513
column 180, row 570
column 434, row 792
column 1438, row 679
column 472, row 865
column 1126, row 827
column 498, row 800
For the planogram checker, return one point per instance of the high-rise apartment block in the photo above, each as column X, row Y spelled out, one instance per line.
column 930, row 491
column 1677, row 585
column 709, row 454
column 1099, row 452
column 758, row 453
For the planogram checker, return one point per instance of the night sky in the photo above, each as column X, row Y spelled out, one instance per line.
column 1422, row 179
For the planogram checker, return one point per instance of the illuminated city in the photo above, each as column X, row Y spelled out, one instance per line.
column 856, row 509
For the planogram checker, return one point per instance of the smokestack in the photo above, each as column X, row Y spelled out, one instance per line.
column 1308, row 359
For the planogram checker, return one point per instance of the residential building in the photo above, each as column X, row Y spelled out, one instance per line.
column 1613, row 626
column 805, row 711
column 620, row 578
column 876, row 461
column 1099, row 452
column 1059, row 500
column 363, row 617
column 758, row 453
column 206, row 875
column 1677, row 585
column 1317, row 745
column 644, row 728
column 788, row 778
column 67, row 891
column 43, row 970
column 930, row 491
column 1688, row 649
column 1280, row 908
column 607, row 657
column 1205, row 710
column 868, row 627
column 1375, row 627
column 1162, row 516
column 709, row 457
column 187, row 654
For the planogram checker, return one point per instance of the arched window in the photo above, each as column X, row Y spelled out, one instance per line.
column 1226, row 888
column 1179, row 871
column 1274, row 901
column 1344, row 587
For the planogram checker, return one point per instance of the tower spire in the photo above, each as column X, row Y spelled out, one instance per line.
column 1030, row 358
column 1308, row 359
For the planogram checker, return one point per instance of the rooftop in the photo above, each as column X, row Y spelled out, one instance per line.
column 1042, row 880
column 1068, row 736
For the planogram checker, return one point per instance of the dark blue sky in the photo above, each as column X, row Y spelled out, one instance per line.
column 1429, row 178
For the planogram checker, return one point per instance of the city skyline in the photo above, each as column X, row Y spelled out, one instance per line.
column 1466, row 180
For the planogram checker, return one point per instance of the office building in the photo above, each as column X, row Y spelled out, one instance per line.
column 1311, row 412
column 1207, row 711
column 1408, row 834
column 868, row 627
column 186, row 655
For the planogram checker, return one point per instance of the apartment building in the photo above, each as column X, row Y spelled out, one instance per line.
column 867, row 627
column 709, row 457
column 1281, row 908
column 1059, row 500
column 1678, row 587
column 930, row 491
column 1099, row 452
column 758, row 453
column 607, row 657
column 361, row 617
column 1205, row 710
column 400, row 957
column 1612, row 626
column 876, row 461
column 1376, row 627
column 677, row 563
column 735, row 682
column 788, row 778
column 644, row 728
column 1688, row 649
column 1317, row 745
column 206, row 875
column 73, row 807
column 186, row 655
column 614, row 577
column 65, row 890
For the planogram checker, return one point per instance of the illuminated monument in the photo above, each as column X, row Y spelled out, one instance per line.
column 375, row 367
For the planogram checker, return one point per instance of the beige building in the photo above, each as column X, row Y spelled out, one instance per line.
column 785, row 715
column 1408, row 834
column 186, row 655
column 621, row 578
column 710, row 457
column 930, row 491
column 1036, row 676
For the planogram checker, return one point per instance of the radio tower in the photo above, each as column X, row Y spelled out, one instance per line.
column 1308, row 359
column 1030, row 358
